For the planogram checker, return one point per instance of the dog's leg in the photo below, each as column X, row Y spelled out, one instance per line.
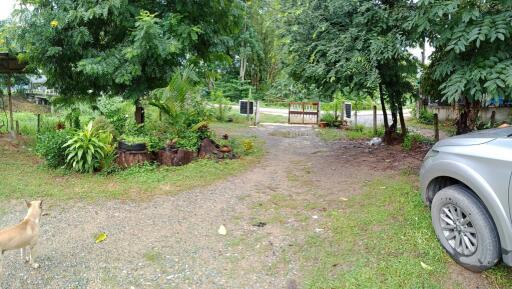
column 1, row 263
column 24, row 255
column 32, row 256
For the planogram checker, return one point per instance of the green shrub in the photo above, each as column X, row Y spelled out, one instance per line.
column 88, row 149
column 115, row 110
column 362, row 132
column 134, row 139
column 49, row 146
column 426, row 117
column 103, row 124
column 188, row 140
column 248, row 145
column 329, row 118
column 415, row 138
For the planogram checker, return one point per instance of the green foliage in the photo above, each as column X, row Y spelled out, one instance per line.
column 329, row 118
column 115, row 110
column 188, row 140
column 49, row 145
column 117, row 47
column 73, row 117
column 234, row 89
column 362, row 132
column 87, row 148
column 222, row 103
column 179, row 101
column 472, row 41
column 134, row 139
column 185, row 113
column 103, row 124
column 426, row 117
column 412, row 139
column 358, row 47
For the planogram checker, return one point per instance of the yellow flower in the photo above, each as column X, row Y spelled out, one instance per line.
column 54, row 23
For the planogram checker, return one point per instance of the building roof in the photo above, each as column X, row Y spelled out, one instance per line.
column 10, row 64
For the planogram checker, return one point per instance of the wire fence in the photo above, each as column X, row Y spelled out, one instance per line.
column 27, row 123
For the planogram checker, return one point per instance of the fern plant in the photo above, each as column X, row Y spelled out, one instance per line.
column 86, row 150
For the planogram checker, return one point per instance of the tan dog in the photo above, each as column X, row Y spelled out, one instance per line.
column 24, row 235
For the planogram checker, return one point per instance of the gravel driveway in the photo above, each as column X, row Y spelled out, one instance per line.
column 170, row 241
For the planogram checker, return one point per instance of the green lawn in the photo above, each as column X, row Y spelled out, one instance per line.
column 271, row 118
column 383, row 238
column 333, row 134
column 446, row 126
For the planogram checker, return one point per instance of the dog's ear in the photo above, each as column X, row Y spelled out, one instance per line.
column 27, row 203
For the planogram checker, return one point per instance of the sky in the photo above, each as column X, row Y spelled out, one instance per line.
column 6, row 7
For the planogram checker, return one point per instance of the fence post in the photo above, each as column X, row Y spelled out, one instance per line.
column 17, row 127
column 289, row 109
column 38, row 123
column 436, row 127
column 375, row 120
column 318, row 113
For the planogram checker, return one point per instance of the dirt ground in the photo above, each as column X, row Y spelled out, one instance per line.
column 172, row 241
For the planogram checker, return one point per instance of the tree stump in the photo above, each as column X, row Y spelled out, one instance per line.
column 127, row 159
column 183, row 157
column 166, row 156
column 208, row 149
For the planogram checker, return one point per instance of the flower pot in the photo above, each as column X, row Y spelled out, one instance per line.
column 137, row 147
column 322, row 124
column 225, row 149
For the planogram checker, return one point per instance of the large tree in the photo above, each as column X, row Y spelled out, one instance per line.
column 360, row 45
column 121, row 47
column 472, row 61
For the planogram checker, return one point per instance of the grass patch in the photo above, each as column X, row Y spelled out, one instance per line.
column 446, row 126
column 152, row 256
column 500, row 275
column 411, row 139
column 272, row 118
column 357, row 133
column 362, row 132
column 379, row 241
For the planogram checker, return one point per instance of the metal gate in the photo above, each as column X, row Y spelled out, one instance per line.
column 303, row 112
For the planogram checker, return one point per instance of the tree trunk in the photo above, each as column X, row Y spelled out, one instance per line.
column 467, row 118
column 139, row 113
column 394, row 124
column 403, row 126
column 243, row 66
column 383, row 106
